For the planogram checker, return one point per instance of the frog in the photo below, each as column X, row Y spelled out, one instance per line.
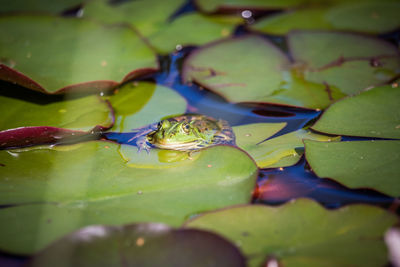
column 184, row 133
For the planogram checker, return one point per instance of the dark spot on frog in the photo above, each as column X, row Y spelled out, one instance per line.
column 49, row 220
column 2, row 165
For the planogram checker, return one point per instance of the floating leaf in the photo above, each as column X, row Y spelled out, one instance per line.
column 155, row 23
column 86, row 56
column 138, row 104
column 63, row 188
column 295, row 90
column 281, row 151
column 368, row 16
column 192, row 29
column 302, row 19
column 302, row 233
column 139, row 245
column 347, row 66
column 26, row 123
column 357, row 164
column 80, row 114
column 353, row 76
column 50, row 6
column 145, row 15
column 251, row 77
column 374, row 113
column 218, row 5
column 310, row 47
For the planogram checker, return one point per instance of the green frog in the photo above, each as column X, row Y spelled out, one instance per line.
column 184, row 133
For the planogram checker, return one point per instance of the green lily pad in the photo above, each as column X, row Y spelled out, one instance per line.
column 139, row 245
column 353, row 76
column 192, row 29
column 218, row 5
column 145, row 15
column 368, row 16
column 138, row 104
column 252, row 77
column 310, row 47
column 154, row 23
column 63, row 188
column 263, row 75
column 303, row 233
column 295, row 90
column 80, row 114
column 86, row 56
column 358, row 164
column 301, row 19
column 374, row 113
column 281, row 151
column 49, row 6
column 348, row 66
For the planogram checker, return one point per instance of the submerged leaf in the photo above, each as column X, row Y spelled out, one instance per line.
column 148, row 244
column 64, row 188
column 302, row 233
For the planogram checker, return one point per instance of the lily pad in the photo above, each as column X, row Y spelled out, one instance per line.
column 219, row 5
column 192, row 29
column 251, row 77
column 310, row 47
column 63, row 188
column 263, row 75
column 359, row 16
column 48, row 6
column 348, row 66
column 301, row 19
column 295, row 90
column 303, row 233
column 357, row 164
column 155, row 23
column 139, row 245
column 369, row 16
column 87, row 56
column 138, row 104
column 26, row 123
column 80, row 114
column 145, row 15
column 281, row 151
column 374, row 113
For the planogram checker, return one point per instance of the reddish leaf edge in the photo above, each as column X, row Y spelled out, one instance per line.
column 11, row 75
column 40, row 135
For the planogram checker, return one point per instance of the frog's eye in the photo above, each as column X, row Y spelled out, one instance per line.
column 186, row 127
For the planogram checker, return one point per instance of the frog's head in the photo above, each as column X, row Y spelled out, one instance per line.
column 179, row 135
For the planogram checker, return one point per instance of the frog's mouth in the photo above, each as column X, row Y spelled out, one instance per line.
column 179, row 145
